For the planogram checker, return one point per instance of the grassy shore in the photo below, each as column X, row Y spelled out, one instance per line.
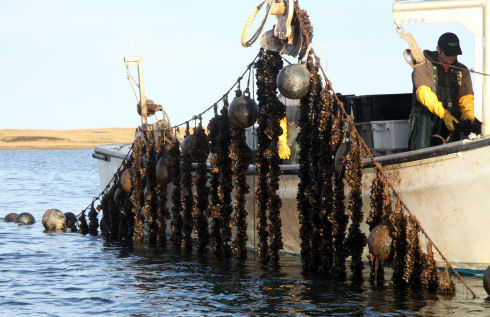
column 14, row 139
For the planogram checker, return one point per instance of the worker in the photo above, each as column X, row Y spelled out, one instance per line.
column 443, row 96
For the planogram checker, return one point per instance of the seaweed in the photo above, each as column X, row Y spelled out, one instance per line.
column 264, row 82
column 177, row 221
column 161, row 191
column 271, row 111
column 399, row 234
column 325, row 185
column 430, row 276
column 317, row 171
column 413, row 257
column 356, row 240
column 215, row 207
column 93, row 221
column 239, row 169
column 187, row 199
column 303, row 196
column 201, row 196
column 380, row 200
column 340, row 217
column 150, row 209
column 83, row 228
column 138, row 183
column 225, row 178
column 447, row 286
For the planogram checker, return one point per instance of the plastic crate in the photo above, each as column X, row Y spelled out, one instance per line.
column 390, row 134
column 251, row 137
column 366, row 132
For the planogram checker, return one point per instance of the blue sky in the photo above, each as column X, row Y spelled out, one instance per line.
column 62, row 61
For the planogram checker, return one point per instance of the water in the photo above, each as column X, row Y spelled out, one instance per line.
column 68, row 274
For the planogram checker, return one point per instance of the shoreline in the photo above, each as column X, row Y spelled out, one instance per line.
column 76, row 139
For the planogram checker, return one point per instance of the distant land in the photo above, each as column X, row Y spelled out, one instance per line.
column 17, row 139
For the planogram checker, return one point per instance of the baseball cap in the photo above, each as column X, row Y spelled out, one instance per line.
column 449, row 44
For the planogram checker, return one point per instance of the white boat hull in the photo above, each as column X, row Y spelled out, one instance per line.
column 446, row 187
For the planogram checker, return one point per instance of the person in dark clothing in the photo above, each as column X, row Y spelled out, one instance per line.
column 443, row 95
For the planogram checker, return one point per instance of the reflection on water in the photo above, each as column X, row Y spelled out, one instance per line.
column 66, row 274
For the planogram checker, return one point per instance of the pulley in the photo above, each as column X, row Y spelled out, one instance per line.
column 285, row 37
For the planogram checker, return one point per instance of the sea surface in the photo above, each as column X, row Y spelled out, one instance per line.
column 69, row 274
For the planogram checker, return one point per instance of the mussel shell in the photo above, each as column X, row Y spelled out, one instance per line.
column 293, row 81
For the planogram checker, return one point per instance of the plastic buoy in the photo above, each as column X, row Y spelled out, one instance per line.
column 70, row 220
column 54, row 219
column 293, row 81
column 340, row 155
column 379, row 242
column 162, row 171
column 10, row 217
column 243, row 111
column 486, row 280
column 196, row 147
column 120, row 195
column 125, row 180
column 24, row 218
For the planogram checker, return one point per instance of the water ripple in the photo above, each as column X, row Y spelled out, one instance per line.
column 67, row 274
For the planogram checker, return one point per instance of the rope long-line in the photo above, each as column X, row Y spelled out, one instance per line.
column 110, row 182
column 226, row 93
column 250, row 65
column 386, row 179
column 378, row 166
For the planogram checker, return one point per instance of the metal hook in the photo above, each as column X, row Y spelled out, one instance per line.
column 249, row 75
column 399, row 29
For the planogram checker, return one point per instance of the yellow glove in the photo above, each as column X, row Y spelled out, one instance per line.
column 466, row 104
column 449, row 121
column 284, row 150
column 428, row 98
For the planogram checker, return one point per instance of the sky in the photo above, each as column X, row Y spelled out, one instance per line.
column 62, row 61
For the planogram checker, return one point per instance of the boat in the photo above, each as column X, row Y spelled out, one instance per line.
column 445, row 186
